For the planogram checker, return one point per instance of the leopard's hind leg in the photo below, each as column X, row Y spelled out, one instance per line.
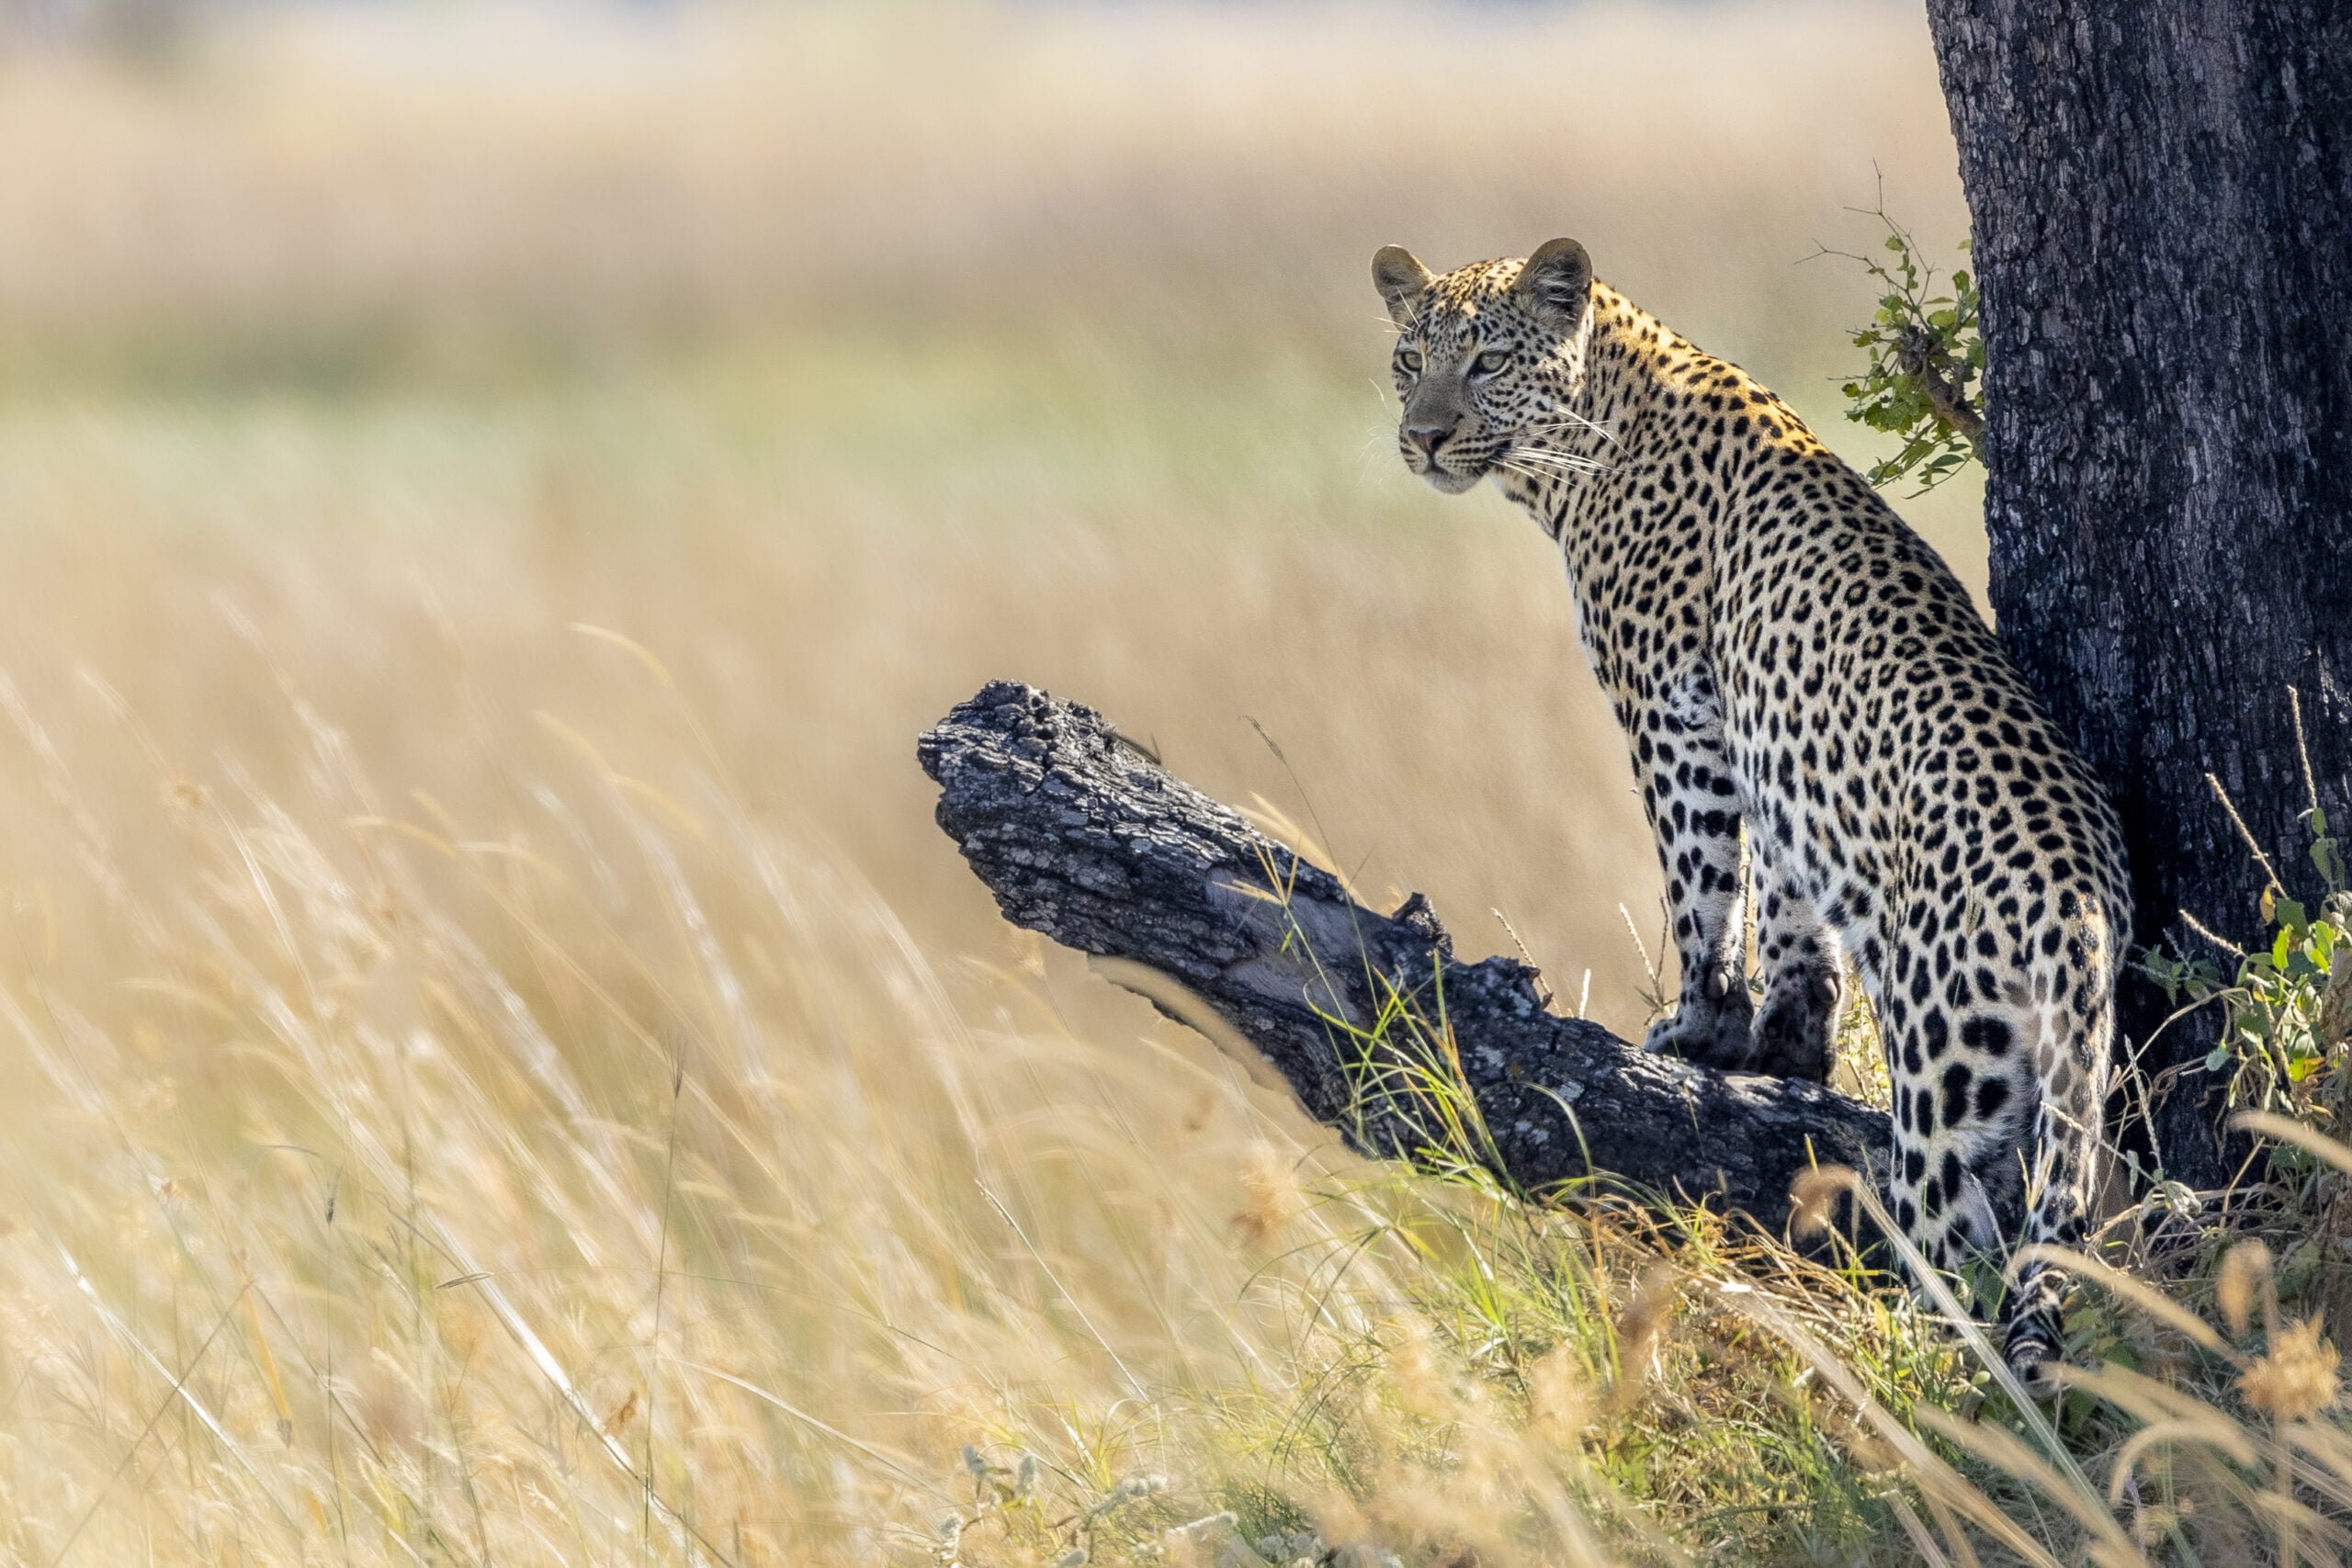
column 1999, row 1139
column 2065, row 1163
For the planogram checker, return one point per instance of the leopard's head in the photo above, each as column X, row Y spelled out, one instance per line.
column 1489, row 357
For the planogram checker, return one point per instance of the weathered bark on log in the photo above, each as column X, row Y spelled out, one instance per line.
column 1082, row 837
column 2159, row 190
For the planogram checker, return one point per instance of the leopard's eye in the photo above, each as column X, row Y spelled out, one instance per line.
column 1408, row 361
column 1487, row 364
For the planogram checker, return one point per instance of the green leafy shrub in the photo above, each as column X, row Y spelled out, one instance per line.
column 1925, row 357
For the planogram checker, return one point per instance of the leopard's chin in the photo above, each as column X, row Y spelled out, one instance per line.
column 1445, row 481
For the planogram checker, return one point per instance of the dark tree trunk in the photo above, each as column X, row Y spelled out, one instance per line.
column 2162, row 199
column 1081, row 837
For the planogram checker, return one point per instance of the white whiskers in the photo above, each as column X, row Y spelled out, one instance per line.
column 1574, row 419
column 1575, row 462
column 1537, row 475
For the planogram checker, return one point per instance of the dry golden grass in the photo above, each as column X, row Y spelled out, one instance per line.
column 1048, row 353
column 500, row 1067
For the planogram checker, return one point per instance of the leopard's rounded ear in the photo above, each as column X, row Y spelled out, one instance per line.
column 1401, row 281
column 1556, row 282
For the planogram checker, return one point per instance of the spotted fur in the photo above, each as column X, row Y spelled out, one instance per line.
column 1829, row 742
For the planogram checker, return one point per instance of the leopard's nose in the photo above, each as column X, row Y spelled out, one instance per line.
column 1428, row 437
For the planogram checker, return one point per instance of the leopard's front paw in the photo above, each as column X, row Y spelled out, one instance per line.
column 1711, row 1025
column 1795, row 1032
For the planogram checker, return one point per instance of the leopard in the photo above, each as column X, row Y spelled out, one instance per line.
column 1836, row 755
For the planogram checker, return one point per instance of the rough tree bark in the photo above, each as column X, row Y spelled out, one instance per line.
column 1084, row 839
column 2160, row 191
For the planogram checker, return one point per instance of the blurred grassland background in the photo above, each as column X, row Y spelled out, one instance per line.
column 488, row 498
column 843, row 357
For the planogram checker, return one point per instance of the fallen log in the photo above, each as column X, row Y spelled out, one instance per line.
column 1375, row 1024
